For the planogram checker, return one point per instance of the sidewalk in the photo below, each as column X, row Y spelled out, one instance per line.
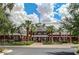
column 40, row 45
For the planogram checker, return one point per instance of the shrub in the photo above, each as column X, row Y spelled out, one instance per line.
column 75, row 42
column 23, row 43
column 29, row 42
column 78, row 51
column 18, row 43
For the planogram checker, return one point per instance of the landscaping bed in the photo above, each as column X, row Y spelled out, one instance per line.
column 17, row 43
column 4, row 50
column 23, row 43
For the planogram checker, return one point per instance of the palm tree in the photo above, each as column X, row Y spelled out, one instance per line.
column 27, row 26
column 7, row 5
column 10, row 6
column 60, row 30
column 32, row 30
column 50, row 30
column 4, row 20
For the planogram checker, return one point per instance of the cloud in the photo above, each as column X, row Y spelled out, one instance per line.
column 47, row 14
column 45, row 10
column 18, row 15
column 63, row 9
column 33, row 17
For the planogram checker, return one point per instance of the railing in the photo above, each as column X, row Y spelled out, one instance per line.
column 22, row 37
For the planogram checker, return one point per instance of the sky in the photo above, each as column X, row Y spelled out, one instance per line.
column 46, row 13
column 31, row 8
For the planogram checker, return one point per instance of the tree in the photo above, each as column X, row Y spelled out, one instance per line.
column 4, row 20
column 33, row 28
column 60, row 30
column 27, row 26
column 10, row 6
column 50, row 30
column 72, row 23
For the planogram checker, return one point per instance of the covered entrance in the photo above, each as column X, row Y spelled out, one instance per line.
column 39, row 38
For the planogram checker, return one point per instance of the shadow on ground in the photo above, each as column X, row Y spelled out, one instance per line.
column 60, row 53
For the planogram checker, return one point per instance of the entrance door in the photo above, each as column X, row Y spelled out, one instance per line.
column 38, row 39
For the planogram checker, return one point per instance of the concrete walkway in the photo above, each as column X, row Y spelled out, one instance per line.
column 51, row 46
column 40, row 45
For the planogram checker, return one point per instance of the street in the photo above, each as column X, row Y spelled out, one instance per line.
column 40, row 51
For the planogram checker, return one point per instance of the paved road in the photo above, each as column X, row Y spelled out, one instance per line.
column 41, row 51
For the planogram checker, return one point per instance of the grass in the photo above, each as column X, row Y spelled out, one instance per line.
column 17, row 43
column 23, row 43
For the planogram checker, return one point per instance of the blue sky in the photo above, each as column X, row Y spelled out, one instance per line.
column 31, row 8
column 57, row 6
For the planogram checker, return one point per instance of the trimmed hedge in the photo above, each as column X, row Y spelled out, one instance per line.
column 23, row 43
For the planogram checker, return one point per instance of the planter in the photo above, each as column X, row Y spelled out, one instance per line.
column 76, row 51
column 4, row 50
column 7, row 51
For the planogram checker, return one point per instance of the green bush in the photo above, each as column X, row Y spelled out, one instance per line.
column 75, row 42
column 23, row 43
column 78, row 51
column 29, row 42
column 17, row 43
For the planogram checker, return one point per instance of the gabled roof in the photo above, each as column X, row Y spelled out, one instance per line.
column 41, row 28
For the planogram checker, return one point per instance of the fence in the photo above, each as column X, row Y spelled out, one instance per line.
column 24, row 38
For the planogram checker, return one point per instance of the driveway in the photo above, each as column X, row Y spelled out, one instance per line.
column 40, row 51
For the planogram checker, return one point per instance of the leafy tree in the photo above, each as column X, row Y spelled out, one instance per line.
column 4, row 20
column 72, row 23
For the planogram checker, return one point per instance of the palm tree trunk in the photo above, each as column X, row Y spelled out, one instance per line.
column 27, row 34
column 78, row 38
column 4, row 39
column 70, row 38
column 60, row 36
column 49, row 38
column 52, row 38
